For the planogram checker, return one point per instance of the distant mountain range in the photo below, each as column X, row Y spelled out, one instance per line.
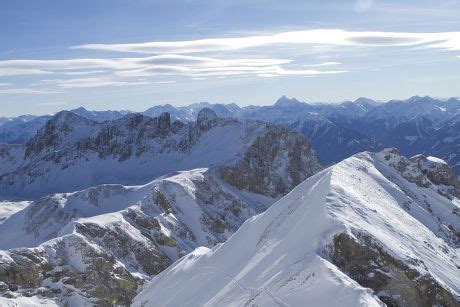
column 72, row 152
column 417, row 125
column 111, row 200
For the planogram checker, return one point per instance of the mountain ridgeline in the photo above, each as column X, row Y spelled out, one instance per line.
column 100, row 244
column 71, row 152
column 213, row 204
column 418, row 125
column 375, row 229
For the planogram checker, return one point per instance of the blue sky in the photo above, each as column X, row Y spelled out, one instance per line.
column 120, row 54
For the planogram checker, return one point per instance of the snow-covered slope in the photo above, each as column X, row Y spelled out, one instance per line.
column 139, row 231
column 100, row 116
column 71, row 152
column 17, row 130
column 373, row 228
column 100, row 244
column 190, row 112
column 8, row 208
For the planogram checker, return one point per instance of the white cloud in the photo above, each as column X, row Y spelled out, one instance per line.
column 26, row 91
column 442, row 40
column 20, row 71
column 52, row 65
column 268, row 75
column 90, row 72
column 119, row 71
column 91, row 82
column 163, row 82
column 5, row 84
column 100, row 82
column 201, row 72
column 46, row 66
column 168, row 64
column 323, row 64
column 158, row 65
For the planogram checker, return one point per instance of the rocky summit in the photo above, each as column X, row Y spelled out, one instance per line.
column 117, row 208
column 101, row 244
column 72, row 152
column 375, row 229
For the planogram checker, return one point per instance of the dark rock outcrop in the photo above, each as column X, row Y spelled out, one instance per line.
column 393, row 281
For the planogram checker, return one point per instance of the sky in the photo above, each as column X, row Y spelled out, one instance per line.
column 120, row 54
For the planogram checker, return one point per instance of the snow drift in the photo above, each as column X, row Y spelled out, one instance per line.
column 372, row 229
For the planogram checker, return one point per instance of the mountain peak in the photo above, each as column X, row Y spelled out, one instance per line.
column 206, row 117
column 343, row 237
column 79, row 109
column 364, row 100
column 417, row 98
column 67, row 118
column 285, row 101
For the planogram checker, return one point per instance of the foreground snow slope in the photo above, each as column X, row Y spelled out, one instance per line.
column 373, row 219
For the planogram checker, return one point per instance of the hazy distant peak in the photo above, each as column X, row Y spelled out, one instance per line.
column 285, row 101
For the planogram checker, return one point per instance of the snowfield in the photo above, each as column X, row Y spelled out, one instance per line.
column 287, row 255
column 100, row 244
column 8, row 208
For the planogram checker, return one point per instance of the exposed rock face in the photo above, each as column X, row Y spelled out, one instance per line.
column 394, row 282
column 275, row 163
column 71, row 266
column 425, row 171
column 11, row 157
column 355, row 234
column 120, row 250
column 71, row 152
column 206, row 119
column 62, row 129
column 123, row 235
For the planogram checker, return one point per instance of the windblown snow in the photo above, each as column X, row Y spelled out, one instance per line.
column 287, row 256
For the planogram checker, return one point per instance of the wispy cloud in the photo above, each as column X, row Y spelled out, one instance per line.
column 93, row 82
column 5, row 72
column 26, row 91
column 174, row 59
column 99, row 82
column 201, row 72
column 5, row 84
column 323, row 64
column 442, row 40
column 164, row 82
column 158, row 65
column 138, row 66
column 90, row 72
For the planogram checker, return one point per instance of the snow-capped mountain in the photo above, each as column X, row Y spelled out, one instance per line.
column 415, row 125
column 18, row 130
column 100, row 116
column 189, row 113
column 72, row 152
column 99, row 245
column 374, row 229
